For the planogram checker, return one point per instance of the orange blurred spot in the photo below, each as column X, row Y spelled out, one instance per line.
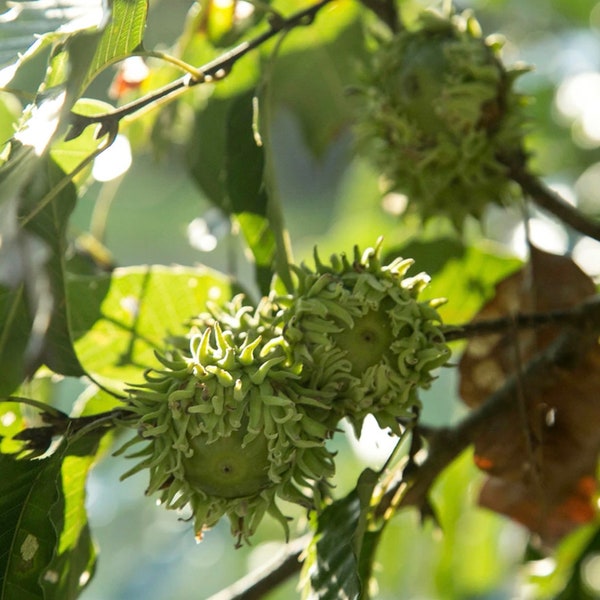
column 132, row 72
column 587, row 486
column 483, row 463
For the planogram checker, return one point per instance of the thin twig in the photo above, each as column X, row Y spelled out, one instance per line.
column 577, row 316
column 214, row 70
column 255, row 585
column 531, row 437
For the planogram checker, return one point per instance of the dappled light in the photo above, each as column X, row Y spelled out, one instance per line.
column 114, row 161
column 578, row 100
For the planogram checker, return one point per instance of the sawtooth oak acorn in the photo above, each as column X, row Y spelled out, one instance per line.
column 358, row 326
column 240, row 412
column 438, row 113
column 227, row 425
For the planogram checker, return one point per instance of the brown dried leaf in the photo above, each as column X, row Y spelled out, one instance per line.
column 548, row 282
column 541, row 452
column 543, row 471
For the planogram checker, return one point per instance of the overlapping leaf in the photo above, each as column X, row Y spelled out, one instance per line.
column 71, row 155
column 464, row 275
column 33, row 309
column 27, row 536
column 246, row 187
column 24, row 23
column 74, row 557
column 36, row 199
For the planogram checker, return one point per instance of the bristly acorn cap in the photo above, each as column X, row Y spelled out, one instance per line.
column 359, row 329
column 227, row 426
column 438, row 112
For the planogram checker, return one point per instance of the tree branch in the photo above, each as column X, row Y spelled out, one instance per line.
column 57, row 423
column 214, row 70
column 448, row 442
column 578, row 316
column 255, row 585
column 550, row 201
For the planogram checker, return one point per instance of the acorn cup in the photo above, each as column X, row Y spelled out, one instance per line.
column 360, row 330
column 439, row 117
column 227, row 425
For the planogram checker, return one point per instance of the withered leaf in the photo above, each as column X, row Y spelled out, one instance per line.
column 547, row 282
column 540, row 451
column 542, row 456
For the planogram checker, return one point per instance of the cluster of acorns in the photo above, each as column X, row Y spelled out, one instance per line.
column 241, row 412
column 439, row 117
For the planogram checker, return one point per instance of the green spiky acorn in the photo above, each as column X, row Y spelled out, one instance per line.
column 440, row 117
column 226, row 424
column 358, row 327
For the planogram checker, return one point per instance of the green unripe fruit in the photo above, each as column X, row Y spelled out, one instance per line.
column 440, row 118
column 240, row 413
column 228, row 468
column 362, row 334
column 367, row 342
column 227, row 422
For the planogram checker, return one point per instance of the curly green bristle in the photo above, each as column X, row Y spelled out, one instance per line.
column 360, row 322
column 438, row 114
column 227, row 426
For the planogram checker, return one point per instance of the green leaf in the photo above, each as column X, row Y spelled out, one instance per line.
column 68, row 155
column 15, row 327
column 70, row 33
column 49, row 224
column 45, row 545
column 123, row 35
column 342, row 551
column 36, row 201
column 71, row 572
column 206, row 150
column 244, row 183
column 71, row 49
column 27, row 536
column 11, row 423
column 33, row 307
column 573, row 571
column 336, row 567
column 321, row 62
column 143, row 305
column 27, row 147
column 10, row 110
column 228, row 165
column 72, row 565
column 466, row 276
column 244, row 160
